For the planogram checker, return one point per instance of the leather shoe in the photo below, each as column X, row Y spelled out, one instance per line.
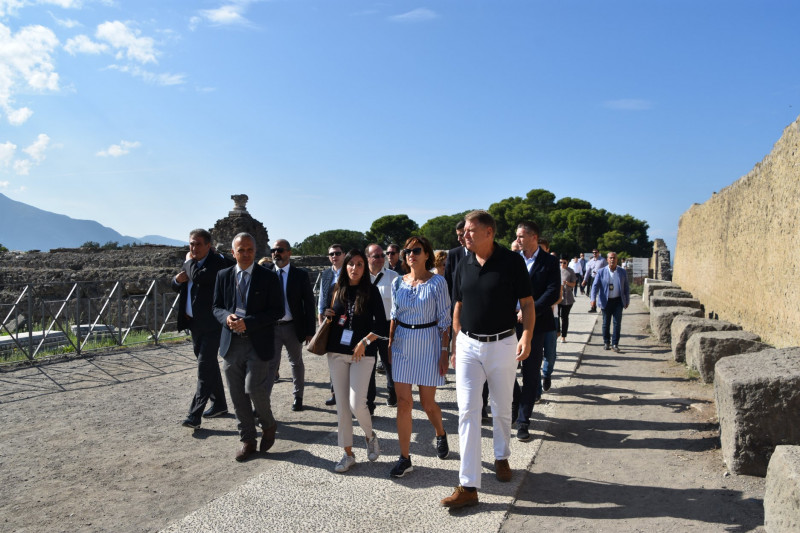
column 213, row 412
column 501, row 470
column 392, row 401
column 331, row 401
column 606, row 346
column 297, row 405
column 268, row 438
column 191, row 422
column 248, row 449
column 484, row 414
column 546, row 384
column 460, row 498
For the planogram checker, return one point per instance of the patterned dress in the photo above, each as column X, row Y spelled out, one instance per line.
column 416, row 352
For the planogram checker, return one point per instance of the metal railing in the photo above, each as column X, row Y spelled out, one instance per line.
column 83, row 317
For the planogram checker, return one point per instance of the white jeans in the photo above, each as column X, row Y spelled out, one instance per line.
column 476, row 363
column 351, row 380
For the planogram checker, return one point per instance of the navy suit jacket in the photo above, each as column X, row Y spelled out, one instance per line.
column 301, row 301
column 264, row 308
column 454, row 256
column 203, row 279
column 546, row 288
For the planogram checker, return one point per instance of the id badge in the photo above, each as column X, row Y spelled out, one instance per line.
column 347, row 337
column 241, row 312
column 611, row 286
column 342, row 320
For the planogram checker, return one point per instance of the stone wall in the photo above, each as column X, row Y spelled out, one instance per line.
column 737, row 252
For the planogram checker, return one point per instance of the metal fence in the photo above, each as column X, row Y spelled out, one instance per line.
column 58, row 318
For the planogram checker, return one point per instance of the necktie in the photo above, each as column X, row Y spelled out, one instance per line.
column 283, row 291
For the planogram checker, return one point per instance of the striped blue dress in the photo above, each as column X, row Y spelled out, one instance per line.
column 416, row 352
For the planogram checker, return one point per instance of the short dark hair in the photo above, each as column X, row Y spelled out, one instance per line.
column 543, row 241
column 483, row 218
column 339, row 246
column 203, row 234
column 460, row 224
column 393, row 245
column 426, row 247
column 529, row 226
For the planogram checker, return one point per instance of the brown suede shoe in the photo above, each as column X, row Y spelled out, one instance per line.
column 268, row 438
column 248, row 449
column 461, row 498
column 501, row 470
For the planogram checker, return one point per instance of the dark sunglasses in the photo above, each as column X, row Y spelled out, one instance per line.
column 337, row 253
column 415, row 251
column 563, row 262
column 277, row 250
column 390, row 252
column 378, row 256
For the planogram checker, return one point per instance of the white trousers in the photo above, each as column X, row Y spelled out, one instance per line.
column 476, row 363
column 351, row 380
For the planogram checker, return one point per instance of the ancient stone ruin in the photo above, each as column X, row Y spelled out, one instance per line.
column 237, row 221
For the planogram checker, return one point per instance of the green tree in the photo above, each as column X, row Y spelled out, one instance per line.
column 634, row 232
column 572, row 203
column 3, row 248
column 319, row 243
column 441, row 231
column 110, row 245
column 392, row 229
column 92, row 245
column 586, row 226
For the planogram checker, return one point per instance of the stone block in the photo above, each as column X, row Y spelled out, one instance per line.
column 661, row 320
column 683, row 327
column 653, row 285
column 705, row 348
column 782, row 495
column 672, row 293
column 662, row 301
column 758, row 405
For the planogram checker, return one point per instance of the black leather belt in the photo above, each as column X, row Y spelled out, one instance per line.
column 417, row 326
column 489, row 338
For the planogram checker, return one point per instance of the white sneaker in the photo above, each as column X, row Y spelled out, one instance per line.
column 373, row 448
column 345, row 464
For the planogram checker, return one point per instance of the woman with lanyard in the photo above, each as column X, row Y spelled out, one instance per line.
column 358, row 319
column 418, row 345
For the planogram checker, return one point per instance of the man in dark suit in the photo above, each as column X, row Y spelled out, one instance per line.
column 298, row 323
column 395, row 260
column 545, row 275
column 195, row 285
column 454, row 256
column 248, row 303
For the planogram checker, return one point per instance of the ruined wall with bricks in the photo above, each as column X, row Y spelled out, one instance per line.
column 739, row 252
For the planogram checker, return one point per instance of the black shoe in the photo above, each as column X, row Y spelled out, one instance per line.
column 522, row 433
column 392, row 401
column 277, row 377
column 402, row 467
column 592, row 310
column 546, row 384
column 484, row 414
column 615, row 348
column 297, row 405
column 371, row 409
column 606, row 346
column 442, row 448
column 379, row 368
column 191, row 422
column 331, row 401
column 214, row 412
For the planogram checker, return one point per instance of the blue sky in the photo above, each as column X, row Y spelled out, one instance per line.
column 148, row 115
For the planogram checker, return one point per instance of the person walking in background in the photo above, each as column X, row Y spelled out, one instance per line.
column 569, row 281
column 327, row 281
column 195, row 285
column 248, row 302
column 487, row 286
column 592, row 267
column 358, row 320
column 419, row 343
column 395, row 261
column 439, row 261
column 454, row 256
column 382, row 278
column 613, row 294
column 298, row 323
column 577, row 268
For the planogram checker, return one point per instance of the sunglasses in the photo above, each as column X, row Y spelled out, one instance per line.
column 563, row 262
column 378, row 256
column 415, row 251
column 277, row 250
column 391, row 253
column 337, row 253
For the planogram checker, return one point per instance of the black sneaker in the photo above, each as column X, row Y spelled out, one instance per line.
column 191, row 422
column 214, row 412
column 522, row 432
column 546, row 384
column 402, row 467
column 484, row 414
column 392, row 401
column 442, row 448
column 606, row 346
column 379, row 368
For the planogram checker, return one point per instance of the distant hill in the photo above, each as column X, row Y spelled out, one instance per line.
column 24, row 227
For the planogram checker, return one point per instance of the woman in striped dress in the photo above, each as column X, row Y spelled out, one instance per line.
column 418, row 345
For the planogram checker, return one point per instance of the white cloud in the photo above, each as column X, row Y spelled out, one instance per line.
column 22, row 166
column 7, row 151
column 4, row 184
column 420, row 14
column 25, row 63
column 229, row 14
column 628, row 104
column 12, row 7
column 64, row 23
column 38, row 147
column 84, row 45
column 163, row 79
column 116, row 150
column 127, row 41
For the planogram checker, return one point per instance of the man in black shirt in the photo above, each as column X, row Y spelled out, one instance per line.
column 488, row 284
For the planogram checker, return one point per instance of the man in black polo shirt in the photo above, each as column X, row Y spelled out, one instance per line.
column 488, row 283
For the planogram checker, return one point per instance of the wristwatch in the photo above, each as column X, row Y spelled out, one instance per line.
column 366, row 341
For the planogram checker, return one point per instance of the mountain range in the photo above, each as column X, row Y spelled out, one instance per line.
column 24, row 227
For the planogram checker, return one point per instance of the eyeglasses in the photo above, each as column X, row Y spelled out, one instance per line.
column 563, row 262
column 337, row 253
column 378, row 256
column 391, row 252
column 277, row 250
column 415, row 251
